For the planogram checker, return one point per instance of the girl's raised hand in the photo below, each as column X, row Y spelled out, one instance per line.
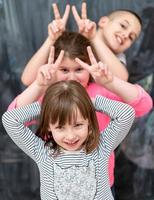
column 86, row 27
column 99, row 72
column 46, row 73
column 58, row 25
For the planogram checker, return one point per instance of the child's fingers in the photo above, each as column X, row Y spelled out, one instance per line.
column 81, row 27
column 66, row 14
column 104, row 68
column 51, row 55
column 91, row 25
column 91, row 56
column 106, row 73
column 86, row 24
column 76, row 15
column 84, row 11
column 54, row 26
column 59, row 59
column 82, row 64
column 49, row 29
column 56, row 11
column 45, row 72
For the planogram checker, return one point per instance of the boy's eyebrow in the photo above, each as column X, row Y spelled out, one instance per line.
column 127, row 21
column 129, row 24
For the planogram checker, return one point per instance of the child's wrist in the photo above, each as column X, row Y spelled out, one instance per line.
column 38, row 86
column 94, row 39
column 50, row 41
column 108, row 83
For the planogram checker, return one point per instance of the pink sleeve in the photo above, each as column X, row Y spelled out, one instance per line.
column 94, row 89
column 143, row 103
column 13, row 105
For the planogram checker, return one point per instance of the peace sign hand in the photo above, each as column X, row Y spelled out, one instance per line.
column 58, row 25
column 98, row 70
column 46, row 74
column 86, row 27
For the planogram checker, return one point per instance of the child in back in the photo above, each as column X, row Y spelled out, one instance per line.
column 73, row 162
column 115, row 34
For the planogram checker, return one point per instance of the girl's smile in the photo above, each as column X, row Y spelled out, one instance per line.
column 71, row 136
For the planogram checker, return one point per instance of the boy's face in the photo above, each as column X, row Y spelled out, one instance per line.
column 120, row 32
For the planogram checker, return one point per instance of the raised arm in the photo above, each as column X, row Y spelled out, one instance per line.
column 128, row 93
column 45, row 77
column 35, row 92
column 104, row 54
column 88, row 29
column 122, row 116
column 55, row 29
column 104, row 77
column 13, row 122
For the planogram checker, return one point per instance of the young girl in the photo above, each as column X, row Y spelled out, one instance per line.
column 63, row 65
column 74, row 159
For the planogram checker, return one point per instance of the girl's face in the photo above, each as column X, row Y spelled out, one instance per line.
column 71, row 70
column 70, row 136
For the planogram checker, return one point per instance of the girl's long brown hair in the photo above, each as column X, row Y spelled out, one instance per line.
column 59, row 105
column 75, row 46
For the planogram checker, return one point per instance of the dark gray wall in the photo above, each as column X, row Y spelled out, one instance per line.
column 23, row 28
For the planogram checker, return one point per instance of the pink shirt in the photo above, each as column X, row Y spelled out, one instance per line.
column 142, row 105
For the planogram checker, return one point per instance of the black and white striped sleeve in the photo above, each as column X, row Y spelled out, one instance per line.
column 13, row 122
column 122, row 116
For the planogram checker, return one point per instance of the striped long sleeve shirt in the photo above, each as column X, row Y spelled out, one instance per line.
column 71, row 176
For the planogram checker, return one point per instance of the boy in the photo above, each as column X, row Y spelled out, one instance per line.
column 115, row 34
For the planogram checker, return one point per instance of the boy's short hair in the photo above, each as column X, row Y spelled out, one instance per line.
column 113, row 13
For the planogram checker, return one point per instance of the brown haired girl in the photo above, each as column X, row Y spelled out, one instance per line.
column 73, row 163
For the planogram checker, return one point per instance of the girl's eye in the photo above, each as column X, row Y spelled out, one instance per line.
column 78, row 125
column 64, row 70
column 79, row 69
column 59, row 127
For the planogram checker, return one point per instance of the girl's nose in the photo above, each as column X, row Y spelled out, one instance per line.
column 70, row 136
column 72, row 76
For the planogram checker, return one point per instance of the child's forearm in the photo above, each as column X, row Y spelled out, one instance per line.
column 30, row 94
column 39, row 58
column 110, row 59
column 114, row 109
column 122, row 116
column 126, row 91
column 13, row 122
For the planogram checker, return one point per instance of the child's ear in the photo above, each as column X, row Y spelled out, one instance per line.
column 103, row 21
